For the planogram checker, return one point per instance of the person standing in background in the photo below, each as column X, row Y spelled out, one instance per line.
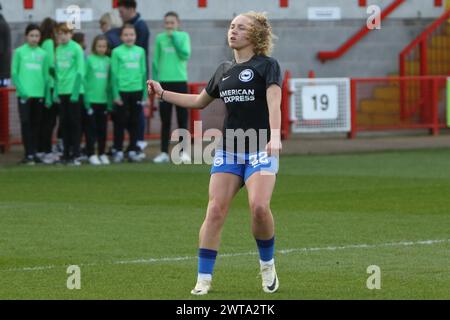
column 80, row 38
column 170, row 59
column 129, row 76
column 5, row 51
column 30, row 73
column 87, row 115
column 98, row 95
column 129, row 15
column 110, row 25
column 50, row 114
column 70, row 68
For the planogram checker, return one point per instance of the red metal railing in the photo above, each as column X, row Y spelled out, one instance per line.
column 4, row 119
column 376, row 104
column 195, row 88
column 7, row 138
column 285, row 103
column 330, row 55
column 429, row 53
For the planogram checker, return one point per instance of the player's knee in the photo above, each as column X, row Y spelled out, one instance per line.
column 260, row 210
column 216, row 213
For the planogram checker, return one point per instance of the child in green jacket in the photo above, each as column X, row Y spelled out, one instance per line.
column 97, row 96
column 30, row 74
column 50, row 114
column 70, row 68
column 129, row 83
column 170, row 59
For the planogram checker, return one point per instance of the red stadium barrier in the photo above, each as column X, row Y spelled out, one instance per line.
column 195, row 88
column 4, row 119
column 10, row 131
column 428, row 54
column 285, row 107
column 377, row 104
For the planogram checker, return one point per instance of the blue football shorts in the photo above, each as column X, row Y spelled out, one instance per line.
column 244, row 164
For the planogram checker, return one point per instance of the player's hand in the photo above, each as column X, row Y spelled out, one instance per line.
column 274, row 147
column 118, row 102
column 155, row 88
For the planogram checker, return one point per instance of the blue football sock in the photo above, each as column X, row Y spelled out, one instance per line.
column 206, row 261
column 266, row 249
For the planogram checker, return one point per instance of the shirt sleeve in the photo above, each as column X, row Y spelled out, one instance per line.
column 48, row 46
column 182, row 43
column 15, row 72
column 156, row 55
column 85, row 83
column 114, row 75
column 46, row 76
column 144, row 75
column 272, row 73
column 109, row 91
column 212, row 89
column 80, row 73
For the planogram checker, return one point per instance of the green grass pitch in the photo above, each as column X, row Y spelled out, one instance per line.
column 133, row 230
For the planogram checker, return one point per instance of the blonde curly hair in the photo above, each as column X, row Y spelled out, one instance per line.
column 260, row 33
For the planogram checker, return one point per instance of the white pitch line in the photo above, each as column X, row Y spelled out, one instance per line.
column 252, row 253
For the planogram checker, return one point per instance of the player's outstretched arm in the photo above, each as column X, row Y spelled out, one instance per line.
column 274, row 103
column 191, row 101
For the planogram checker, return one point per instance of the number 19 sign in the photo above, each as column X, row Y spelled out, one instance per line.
column 320, row 102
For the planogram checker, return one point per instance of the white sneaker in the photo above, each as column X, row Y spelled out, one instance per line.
column 118, row 157
column 83, row 158
column 141, row 156
column 94, row 160
column 49, row 158
column 133, row 156
column 201, row 288
column 162, row 158
column 41, row 156
column 74, row 163
column 142, row 145
column 105, row 160
column 270, row 281
column 185, row 158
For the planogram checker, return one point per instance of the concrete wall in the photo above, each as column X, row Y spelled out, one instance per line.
column 299, row 39
column 220, row 9
column 297, row 46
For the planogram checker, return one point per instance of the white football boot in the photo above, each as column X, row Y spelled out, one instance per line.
column 270, row 281
column 202, row 287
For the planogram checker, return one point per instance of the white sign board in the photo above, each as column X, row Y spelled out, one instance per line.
column 320, row 102
column 73, row 15
column 324, row 13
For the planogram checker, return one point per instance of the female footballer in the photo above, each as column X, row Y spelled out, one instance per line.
column 250, row 86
